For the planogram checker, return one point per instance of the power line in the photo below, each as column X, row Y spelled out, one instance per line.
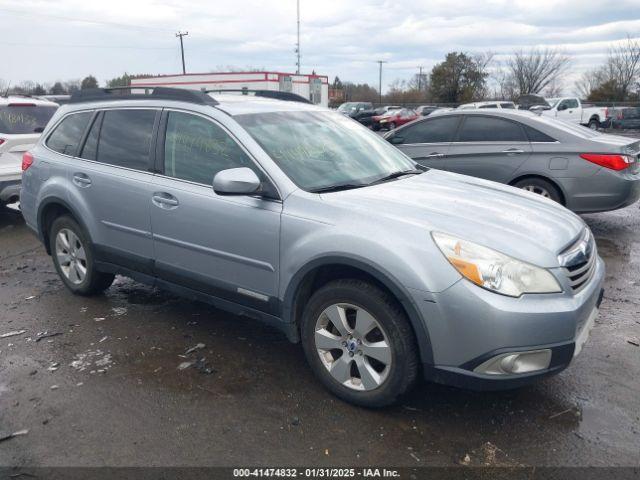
column 61, row 45
column 83, row 20
column 182, row 34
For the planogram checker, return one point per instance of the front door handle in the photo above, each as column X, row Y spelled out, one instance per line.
column 512, row 151
column 81, row 179
column 430, row 156
column 165, row 200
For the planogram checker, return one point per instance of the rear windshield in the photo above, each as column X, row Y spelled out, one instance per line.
column 21, row 119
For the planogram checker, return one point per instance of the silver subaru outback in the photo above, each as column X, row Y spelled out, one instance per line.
column 299, row 217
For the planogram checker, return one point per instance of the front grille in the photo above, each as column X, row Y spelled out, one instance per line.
column 579, row 261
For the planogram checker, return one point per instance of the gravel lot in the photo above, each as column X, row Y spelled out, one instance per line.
column 109, row 389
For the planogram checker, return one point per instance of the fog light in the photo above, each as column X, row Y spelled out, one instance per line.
column 516, row 362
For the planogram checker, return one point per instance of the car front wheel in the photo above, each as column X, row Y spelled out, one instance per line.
column 359, row 343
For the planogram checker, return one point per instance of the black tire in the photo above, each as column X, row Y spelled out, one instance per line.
column 94, row 281
column 593, row 124
column 376, row 127
column 539, row 185
column 392, row 126
column 403, row 370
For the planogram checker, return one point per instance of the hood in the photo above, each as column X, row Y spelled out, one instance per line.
column 517, row 223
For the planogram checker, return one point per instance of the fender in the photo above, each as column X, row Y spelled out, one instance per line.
column 48, row 201
column 415, row 318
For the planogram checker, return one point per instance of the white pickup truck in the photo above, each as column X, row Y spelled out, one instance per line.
column 572, row 110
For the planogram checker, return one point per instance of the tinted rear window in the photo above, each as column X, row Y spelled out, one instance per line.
column 431, row 131
column 67, row 135
column 125, row 138
column 536, row 135
column 22, row 119
column 490, row 129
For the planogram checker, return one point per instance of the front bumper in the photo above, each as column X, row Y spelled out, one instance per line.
column 468, row 326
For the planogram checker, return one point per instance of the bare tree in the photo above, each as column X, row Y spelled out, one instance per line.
column 536, row 69
column 623, row 66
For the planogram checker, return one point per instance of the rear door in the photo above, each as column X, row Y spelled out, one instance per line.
column 113, row 179
column 427, row 141
column 488, row 147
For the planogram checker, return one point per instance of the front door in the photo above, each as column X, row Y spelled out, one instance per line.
column 488, row 147
column 225, row 246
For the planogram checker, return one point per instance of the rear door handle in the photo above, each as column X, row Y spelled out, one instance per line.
column 81, row 179
column 512, row 151
column 165, row 200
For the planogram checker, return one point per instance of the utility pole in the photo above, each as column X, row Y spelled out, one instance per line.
column 298, row 37
column 182, row 34
column 380, row 62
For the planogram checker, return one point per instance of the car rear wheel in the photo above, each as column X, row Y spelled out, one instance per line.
column 594, row 124
column 359, row 343
column 392, row 126
column 73, row 258
column 540, row 187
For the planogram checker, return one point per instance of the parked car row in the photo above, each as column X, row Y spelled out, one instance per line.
column 387, row 117
column 570, row 109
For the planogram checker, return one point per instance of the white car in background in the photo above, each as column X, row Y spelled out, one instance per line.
column 571, row 109
column 22, row 120
column 490, row 104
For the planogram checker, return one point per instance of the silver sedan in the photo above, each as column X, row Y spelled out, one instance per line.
column 585, row 170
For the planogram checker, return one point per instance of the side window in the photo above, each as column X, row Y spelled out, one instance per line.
column 507, row 105
column 431, row 131
column 67, row 136
column 536, row 135
column 195, row 149
column 490, row 129
column 491, row 105
column 90, row 148
column 125, row 138
column 572, row 103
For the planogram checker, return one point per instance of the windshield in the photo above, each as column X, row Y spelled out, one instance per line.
column 323, row 149
column 22, row 119
column 552, row 101
column 347, row 107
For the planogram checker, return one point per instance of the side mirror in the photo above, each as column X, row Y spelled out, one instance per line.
column 236, row 181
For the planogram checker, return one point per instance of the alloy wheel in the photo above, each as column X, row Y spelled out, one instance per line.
column 71, row 256
column 353, row 346
column 537, row 190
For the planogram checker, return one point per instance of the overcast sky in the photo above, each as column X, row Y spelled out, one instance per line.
column 65, row 39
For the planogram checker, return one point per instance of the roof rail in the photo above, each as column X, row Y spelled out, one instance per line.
column 126, row 93
column 274, row 94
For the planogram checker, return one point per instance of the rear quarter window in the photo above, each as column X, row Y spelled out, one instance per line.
column 25, row 118
column 67, row 135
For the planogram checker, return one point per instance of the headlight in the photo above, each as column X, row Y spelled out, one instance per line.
column 493, row 270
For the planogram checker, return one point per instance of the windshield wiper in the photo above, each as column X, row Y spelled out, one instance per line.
column 338, row 187
column 399, row 173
